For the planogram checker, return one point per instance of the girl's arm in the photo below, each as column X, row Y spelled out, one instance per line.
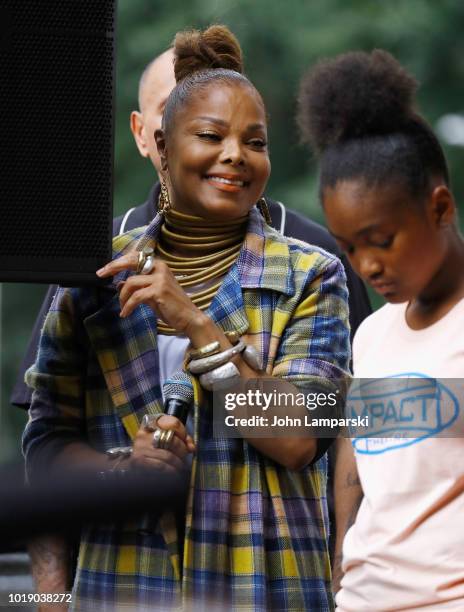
column 348, row 495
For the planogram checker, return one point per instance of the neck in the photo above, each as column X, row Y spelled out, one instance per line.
column 445, row 289
column 191, row 236
column 199, row 253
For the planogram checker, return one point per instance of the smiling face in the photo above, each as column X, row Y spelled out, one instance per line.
column 394, row 243
column 215, row 158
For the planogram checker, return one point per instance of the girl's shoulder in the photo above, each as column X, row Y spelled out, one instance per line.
column 377, row 321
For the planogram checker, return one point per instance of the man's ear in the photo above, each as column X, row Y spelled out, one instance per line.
column 443, row 206
column 138, row 130
column 160, row 140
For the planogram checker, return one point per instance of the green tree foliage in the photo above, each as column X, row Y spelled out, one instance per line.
column 280, row 41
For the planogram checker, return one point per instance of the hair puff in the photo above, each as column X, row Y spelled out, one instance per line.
column 353, row 95
column 215, row 47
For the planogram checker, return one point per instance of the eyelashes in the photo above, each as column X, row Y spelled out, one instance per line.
column 383, row 244
column 209, row 136
column 257, row 143
column 349, row 249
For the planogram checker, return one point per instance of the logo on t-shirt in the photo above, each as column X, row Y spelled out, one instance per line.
column 402, row 410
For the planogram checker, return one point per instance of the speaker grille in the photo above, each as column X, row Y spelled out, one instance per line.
column 57, row 109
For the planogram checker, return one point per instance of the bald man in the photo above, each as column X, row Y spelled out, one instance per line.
column 156, row 83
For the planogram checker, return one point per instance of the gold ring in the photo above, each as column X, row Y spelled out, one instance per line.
column 157, row 438
column 166, row 438
column 144, row 254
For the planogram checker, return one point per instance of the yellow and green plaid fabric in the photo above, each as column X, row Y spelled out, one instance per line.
column 256, row 532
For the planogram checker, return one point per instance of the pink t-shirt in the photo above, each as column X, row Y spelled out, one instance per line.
column 406, row 548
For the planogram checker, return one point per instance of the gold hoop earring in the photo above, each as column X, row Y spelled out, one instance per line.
column 164, row 202
column 264, row 210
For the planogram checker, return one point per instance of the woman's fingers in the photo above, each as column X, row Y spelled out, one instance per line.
column 179, row 445
column 144, row 446
column 166, row 458
column 159, row 290
column 190, row 444
column 158, row 458
column 146, row 457
column 142, row 296
column 168, row 421
column 133, row 283
column 126, row 262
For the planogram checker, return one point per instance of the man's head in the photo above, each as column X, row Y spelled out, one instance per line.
column 156, row 84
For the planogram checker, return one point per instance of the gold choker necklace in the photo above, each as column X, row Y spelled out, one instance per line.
column 199, row 253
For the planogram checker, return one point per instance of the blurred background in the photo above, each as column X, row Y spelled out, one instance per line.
column 280, row 41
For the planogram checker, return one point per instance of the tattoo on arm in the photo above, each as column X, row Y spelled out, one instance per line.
column 352, row 480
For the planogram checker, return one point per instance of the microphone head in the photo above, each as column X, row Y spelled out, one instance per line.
column 178, row 386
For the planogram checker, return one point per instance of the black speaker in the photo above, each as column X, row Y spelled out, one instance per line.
column 56, row 139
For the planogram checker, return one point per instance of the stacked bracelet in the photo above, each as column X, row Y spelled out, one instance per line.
column 214, row 366
column 206, row 364
column 205, row 351
column 222, row 376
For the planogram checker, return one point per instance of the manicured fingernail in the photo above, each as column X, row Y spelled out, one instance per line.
column 100, row 271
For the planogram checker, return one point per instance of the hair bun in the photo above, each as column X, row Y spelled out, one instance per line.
column 354, row 95
column 215, row 47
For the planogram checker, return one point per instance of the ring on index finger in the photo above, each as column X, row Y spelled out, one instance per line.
column 146, row 261
column 149, row 421
column 165, row 439
column 148, row 265
column 156, row 438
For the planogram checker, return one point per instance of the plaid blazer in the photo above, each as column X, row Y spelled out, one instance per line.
column 255, row 532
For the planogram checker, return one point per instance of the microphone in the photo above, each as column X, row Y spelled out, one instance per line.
column 178, row 396
column 178, row 399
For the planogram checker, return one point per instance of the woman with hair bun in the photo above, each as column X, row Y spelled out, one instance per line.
column 385, row 191
column 211, row 287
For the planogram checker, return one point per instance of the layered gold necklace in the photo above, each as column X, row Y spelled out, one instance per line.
column 207, row 250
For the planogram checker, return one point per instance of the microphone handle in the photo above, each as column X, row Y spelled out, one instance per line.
column 180, row 409
column 177, row 408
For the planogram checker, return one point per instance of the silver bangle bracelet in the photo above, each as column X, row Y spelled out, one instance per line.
column 119, row 451
column 200, row 366
column 252, row 358
column 220, row 377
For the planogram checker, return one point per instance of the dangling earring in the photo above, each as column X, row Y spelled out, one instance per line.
column 264, row 210
column 164, row 203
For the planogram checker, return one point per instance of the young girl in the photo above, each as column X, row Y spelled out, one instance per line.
column 385, row 190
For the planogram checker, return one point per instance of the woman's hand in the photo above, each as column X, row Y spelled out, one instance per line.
column 171, row 460
column 159, row 290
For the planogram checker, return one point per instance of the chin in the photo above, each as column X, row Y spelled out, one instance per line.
column 395, row 298
column 224, row 210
